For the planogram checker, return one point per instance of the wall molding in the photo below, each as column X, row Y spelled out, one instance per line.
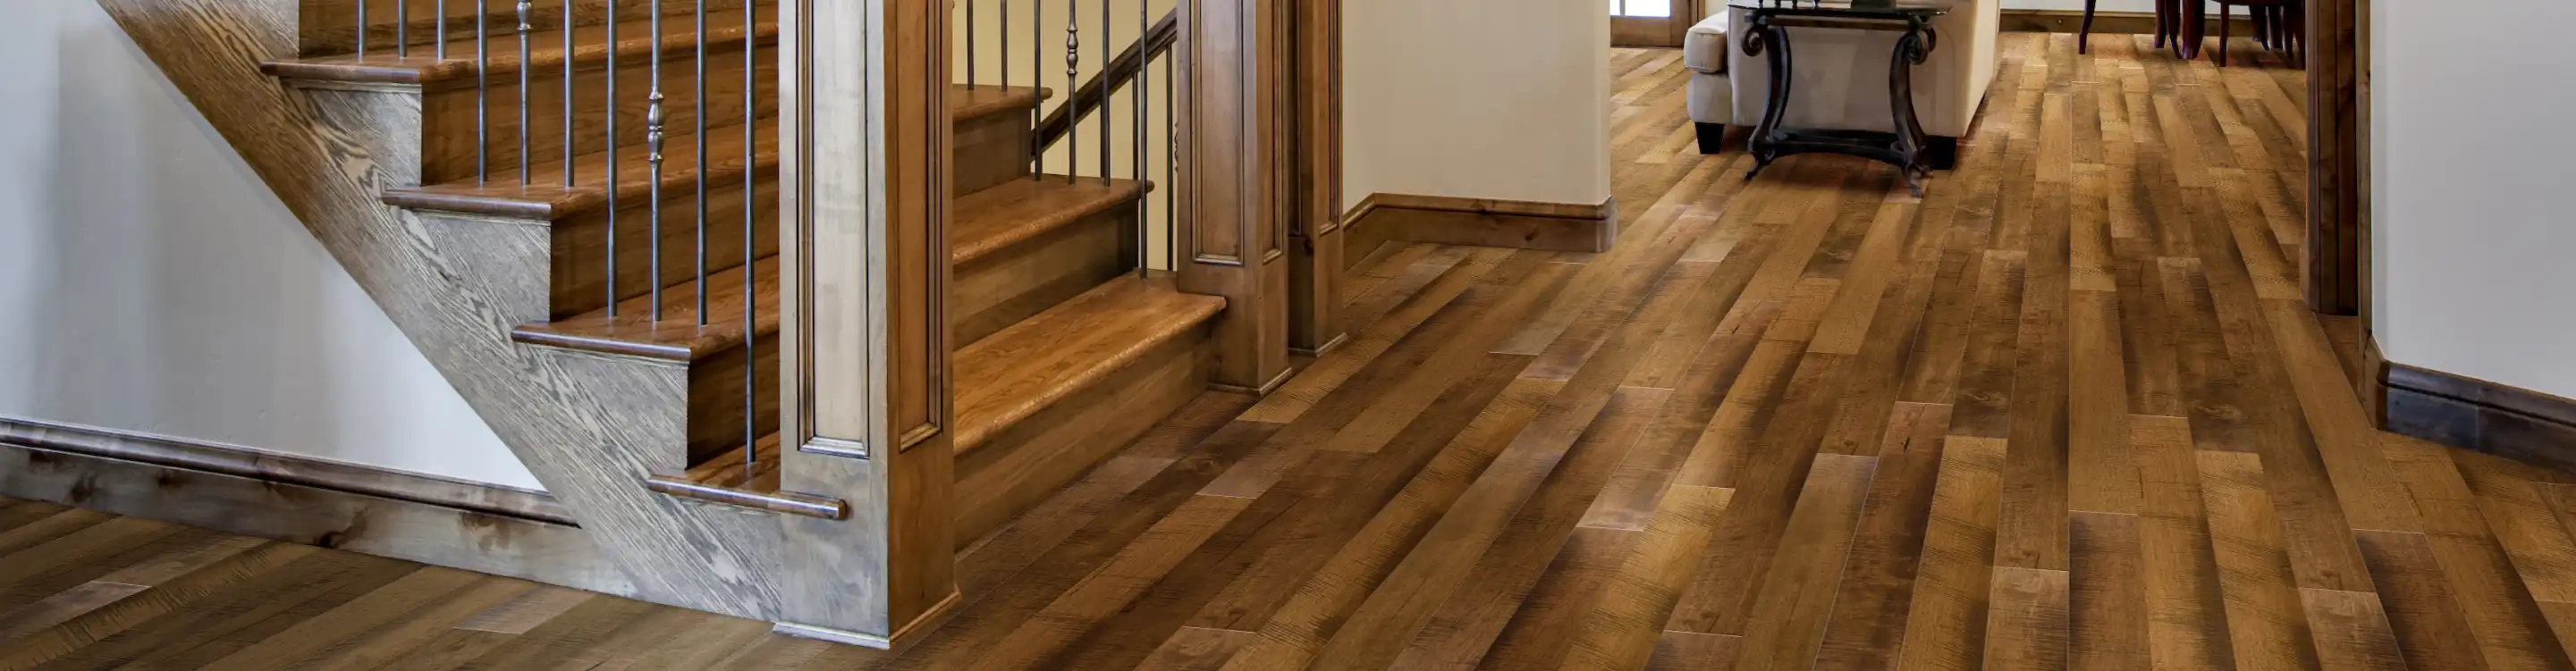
column 1523, row 224
column 471, row 526
column 2474, row 414
column 2104, row 23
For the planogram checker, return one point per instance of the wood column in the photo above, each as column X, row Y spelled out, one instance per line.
column 865, row 170
column 1315, row 250
column 2335, row 264
column 1233, row 190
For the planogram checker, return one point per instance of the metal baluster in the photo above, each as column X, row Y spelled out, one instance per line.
column 1036, row 78
column 1073, row 86
column 611, row 159
column 653, row 165
column 1172, row 163
column 1006, row 44
column 402, row 30
column 1144, row 78
column 439, row 49
column 568, row 94
column 1107, row 85
column 482, row 95
column 362, row 31
column 750, row 221
column 970, row 45
column 702, row 154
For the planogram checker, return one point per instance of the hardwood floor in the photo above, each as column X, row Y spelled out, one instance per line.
column 2066, row 411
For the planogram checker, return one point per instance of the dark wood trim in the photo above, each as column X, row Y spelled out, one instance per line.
column 1315, row 246
column 2334, row 268
column 2104, row 23
column 2475, row 414
column 289, row 510
column 258, row 464
column 1568, row 227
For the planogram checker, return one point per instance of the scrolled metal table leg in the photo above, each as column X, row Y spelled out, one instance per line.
column 1912, row 49
column 1767, row 38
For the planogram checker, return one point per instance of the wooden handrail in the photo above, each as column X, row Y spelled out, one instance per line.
column 1129, row 65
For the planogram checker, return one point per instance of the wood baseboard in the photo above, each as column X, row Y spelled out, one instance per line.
column 1566, row 227
column 2104, row 23
column 2475, row 414
column 471, row 526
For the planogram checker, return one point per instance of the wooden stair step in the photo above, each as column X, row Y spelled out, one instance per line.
column 967, row 103
column 545, row 197
column 1024, row 369
column 379, row 67
column 677, row 337
column 1020, row 210
column 726, row 480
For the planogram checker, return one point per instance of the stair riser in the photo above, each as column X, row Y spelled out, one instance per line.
column 991, row 149
column 449, row 125
column 716, row 399
column 1020, row 466
column 327, row 27
column 580, row 272
column 997, row 290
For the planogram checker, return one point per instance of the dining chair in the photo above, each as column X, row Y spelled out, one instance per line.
column 2280, row 25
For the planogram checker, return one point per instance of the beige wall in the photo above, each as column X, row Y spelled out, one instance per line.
column 1500, row 99
column 154, row 284
column 2475, row 239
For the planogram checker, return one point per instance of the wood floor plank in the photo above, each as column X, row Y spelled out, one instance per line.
column 2266, row 621
column 1869, row 610
column 1629, row 618
column 1795, row 600
column 1946, row 623
column 2106, row 627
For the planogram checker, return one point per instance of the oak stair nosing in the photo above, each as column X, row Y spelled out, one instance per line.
column 967, row 102
column 545, row 198
column 983, row 410
column 677, row 337
column 1024, row 209
column 725, row 480
column 379, row 67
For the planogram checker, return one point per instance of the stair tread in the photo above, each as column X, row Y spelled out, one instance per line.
column 546, row 197
column 1013, row 212
column 1020, row 370
column 725, row 33
column 968, row 102
column 677, row 337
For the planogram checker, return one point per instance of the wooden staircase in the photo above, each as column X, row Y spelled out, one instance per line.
column 1065, row 351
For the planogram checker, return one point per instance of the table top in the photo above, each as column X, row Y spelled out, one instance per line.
column 1848, row 8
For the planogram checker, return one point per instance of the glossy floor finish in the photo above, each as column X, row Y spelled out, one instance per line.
column 2064, row 412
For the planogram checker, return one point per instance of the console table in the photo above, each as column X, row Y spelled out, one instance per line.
column 1767, row 35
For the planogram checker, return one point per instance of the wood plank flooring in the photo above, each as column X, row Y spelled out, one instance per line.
column 2065, row 411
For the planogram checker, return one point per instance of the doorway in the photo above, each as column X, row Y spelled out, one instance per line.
column 1651, row 23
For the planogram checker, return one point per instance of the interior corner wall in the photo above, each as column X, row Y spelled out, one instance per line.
column 154, row 284
column 1500, row 99
column 2473, row 232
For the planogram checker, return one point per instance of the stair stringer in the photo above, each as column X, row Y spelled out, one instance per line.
column 589, row 431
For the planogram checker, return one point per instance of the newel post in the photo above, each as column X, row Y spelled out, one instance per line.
column 1234, row 196
column 865, row 359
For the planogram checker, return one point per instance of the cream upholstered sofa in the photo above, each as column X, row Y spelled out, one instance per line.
column 1706, row 51
column 1842, row 77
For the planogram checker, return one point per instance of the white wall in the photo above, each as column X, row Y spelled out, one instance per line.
column 154, row 284
column 2475, row 239
column 1500, row 99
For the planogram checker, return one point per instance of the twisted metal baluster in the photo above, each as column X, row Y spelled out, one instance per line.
column 701, row 121
column 611, row 159
column 1072, row 84
column 750, row 221
column 653, row 137
column 527, row 24
column 568, row 116
column 482, row 95
column 1106, row 86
